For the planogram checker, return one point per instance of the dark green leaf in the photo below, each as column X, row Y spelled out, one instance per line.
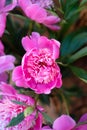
column 72, row 43
column 17, row 102
column 77, row 55
column 45, row 99
column 83, row 2
column 80, row 73
column 16, row 120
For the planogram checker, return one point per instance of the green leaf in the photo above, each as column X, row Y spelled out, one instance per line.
column 28, row 111
column 47, row 118
column 72, row 43
column 20, row 103
column 45, row 99
column 16, row 120
column 80, row 73
column 83, row 2
column 77, row 55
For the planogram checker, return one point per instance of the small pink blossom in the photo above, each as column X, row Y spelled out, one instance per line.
column 39, row 71
column 65, row 122
column 36, row 11
column 8, row 110
column 3, row 13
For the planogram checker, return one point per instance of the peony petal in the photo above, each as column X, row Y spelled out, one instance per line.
column 56, row 48
column 2, row 23
column 6, row 63
column 44, row 42
column 50, row 20
column 1, row 49
column 30, row 43
column 10, row 6
column 2, row 3
column 17, row 76
column 24, row 4
column 6, row 88
column 53, row 27
column 35, row 12
column 64, row 122
column 82, row 119
column 52, row 45
column 3, row 77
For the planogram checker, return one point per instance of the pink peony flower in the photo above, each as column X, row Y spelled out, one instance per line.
column 37, row 11
column 65, row 122
column 8, row 110
column 3, row 13
column 39, row 70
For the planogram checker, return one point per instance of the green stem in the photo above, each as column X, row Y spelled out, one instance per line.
column 65, row 102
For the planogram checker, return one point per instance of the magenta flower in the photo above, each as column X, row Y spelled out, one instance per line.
column 39, row 70
column 8, row 110
column 3, row 13
column 37, row 11
column 65, row 122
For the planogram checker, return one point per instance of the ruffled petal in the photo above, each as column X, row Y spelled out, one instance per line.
column 82, row 119
column 6, row 88
column 6, row 63
column 35, row 12
column 64, row 122
column 30, row 43
column 50, row 20
column 3, row 77
column 17, row 77
column 2, row 23
column 1, row 49
column 2, row 3
column 10, row 6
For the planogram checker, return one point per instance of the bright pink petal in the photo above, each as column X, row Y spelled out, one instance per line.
column 30, row 43
column 2, row 3
column 53, row 27
column 2, row 23
column 24, row 3
column 10, row 6
column 36, row 13
column 40, row 88
column 1, row 49
column 6, row 88
column 82, row 119
column 50, row 20
column 44, row 42
column 3, row 77
column 6, row 63
column 56, row 48
column 17, row 77
column 59, row 81
column 52, row 45
column 64, row 122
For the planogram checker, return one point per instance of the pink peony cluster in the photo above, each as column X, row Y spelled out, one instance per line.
column 3, row 13
column 65, row 122
column 9, row 109
column 38, row 70
column 36, row 11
